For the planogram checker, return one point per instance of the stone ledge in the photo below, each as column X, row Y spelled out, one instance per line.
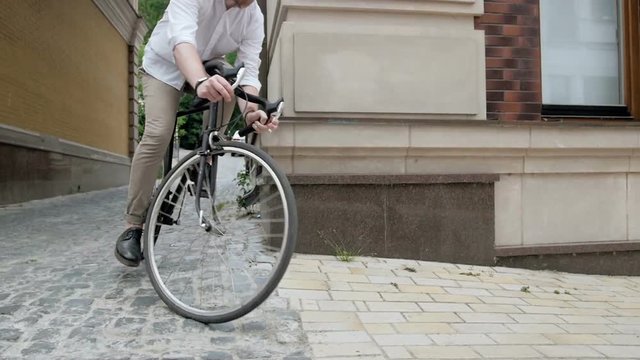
column 392, row 179
column 578, row 248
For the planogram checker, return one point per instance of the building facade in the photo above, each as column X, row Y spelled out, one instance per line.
column 67, row 79
column 486, row 132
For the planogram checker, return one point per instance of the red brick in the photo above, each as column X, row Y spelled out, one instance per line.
column 522, row 96
column 503, row 85
column 497, row 63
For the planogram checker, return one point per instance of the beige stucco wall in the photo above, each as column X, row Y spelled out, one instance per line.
column 397, row 87
column 64, row 72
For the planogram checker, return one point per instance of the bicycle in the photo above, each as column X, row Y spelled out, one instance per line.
column 224, row 221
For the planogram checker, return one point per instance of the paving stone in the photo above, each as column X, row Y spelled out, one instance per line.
column 72, row 299
column 217, row 355
column 10, row 334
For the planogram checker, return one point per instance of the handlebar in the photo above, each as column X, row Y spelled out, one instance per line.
column 235, row 76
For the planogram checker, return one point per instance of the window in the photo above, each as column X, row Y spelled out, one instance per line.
column 582, row 57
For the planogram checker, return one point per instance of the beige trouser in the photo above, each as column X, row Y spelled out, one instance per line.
column 161, row 104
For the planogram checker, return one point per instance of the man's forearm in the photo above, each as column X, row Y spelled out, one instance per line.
column 189, row 62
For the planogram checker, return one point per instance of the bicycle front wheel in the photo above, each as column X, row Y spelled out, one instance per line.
column 220, row 263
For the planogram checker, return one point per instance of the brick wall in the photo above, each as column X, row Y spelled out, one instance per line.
column 512, row 33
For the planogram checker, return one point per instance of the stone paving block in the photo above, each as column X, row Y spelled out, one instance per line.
column 445, row 307
column 571, row 319
column 501, row 300
column 355, row 349
column 443, row 352
column 479, row 285
column 537, row 319
column 338, row 337
column 535, row 328
column 520, row 339
column 619, row 339
column 389, row 306
column 333, row 305
column 355, row 295
column 434, row 282
column 461, row 339
column 628, row 320
column 626, row 329
column 572, row 351
column 396, row 352
column 625, row 312
column 549, row 303
column 626, row 305
column 402, row 339
column 406, row 297
column 495, row 308
column 334, row 270
column 576, row 339
column 303, row 284
column 339, row 285
column 486, row 318
column 309, row 305
column 518, row 294
column 374, row 272
column 480, row 328
column 327, row 316
column 350, row 278
column 456, row 276
column 388, row 288
column 424, row 328
column 588, row 329
column 381, row 317
column 390, row 280
column 467, row 291
column 507, row 352
column 303, row 268
column 420, row 289
column 361, row 306
column 463, row 299
column 299, row 275
column 378, row 329
column 343, row 264
column 618, row 351
column 347, row 325
column 304, row 294
column 435, row 317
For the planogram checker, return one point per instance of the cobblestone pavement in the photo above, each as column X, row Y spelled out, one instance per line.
column 63, row 295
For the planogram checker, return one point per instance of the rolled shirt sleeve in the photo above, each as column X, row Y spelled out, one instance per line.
column 250, row 48
column 182, row 16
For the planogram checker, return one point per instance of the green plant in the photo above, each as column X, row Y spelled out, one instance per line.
column 342, row 248
column 525, row 289
column 243, row 180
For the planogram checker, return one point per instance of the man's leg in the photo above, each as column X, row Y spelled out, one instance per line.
column 161, row 104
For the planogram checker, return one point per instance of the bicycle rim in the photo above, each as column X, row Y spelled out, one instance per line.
column 224, row 269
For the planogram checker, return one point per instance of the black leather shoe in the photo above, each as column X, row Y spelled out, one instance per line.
column 128, row 247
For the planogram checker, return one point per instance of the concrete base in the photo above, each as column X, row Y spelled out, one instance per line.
column 602, row 263
column 438, row 218
column 29, row 174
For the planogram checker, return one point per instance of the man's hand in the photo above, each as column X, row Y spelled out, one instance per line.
column 259, row 122
column 215, row 88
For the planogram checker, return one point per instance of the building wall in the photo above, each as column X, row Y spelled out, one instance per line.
column 566, row 186
column 64, row 73
column 67, row 80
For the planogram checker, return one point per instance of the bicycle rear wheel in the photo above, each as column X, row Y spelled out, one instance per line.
column 221, row 263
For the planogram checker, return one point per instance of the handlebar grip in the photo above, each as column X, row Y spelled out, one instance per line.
column 272, row 109
column 246, row 131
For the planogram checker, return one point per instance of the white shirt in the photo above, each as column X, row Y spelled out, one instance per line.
column 213, row 30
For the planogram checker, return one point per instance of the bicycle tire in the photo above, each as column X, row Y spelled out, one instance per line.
column 263, row 288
